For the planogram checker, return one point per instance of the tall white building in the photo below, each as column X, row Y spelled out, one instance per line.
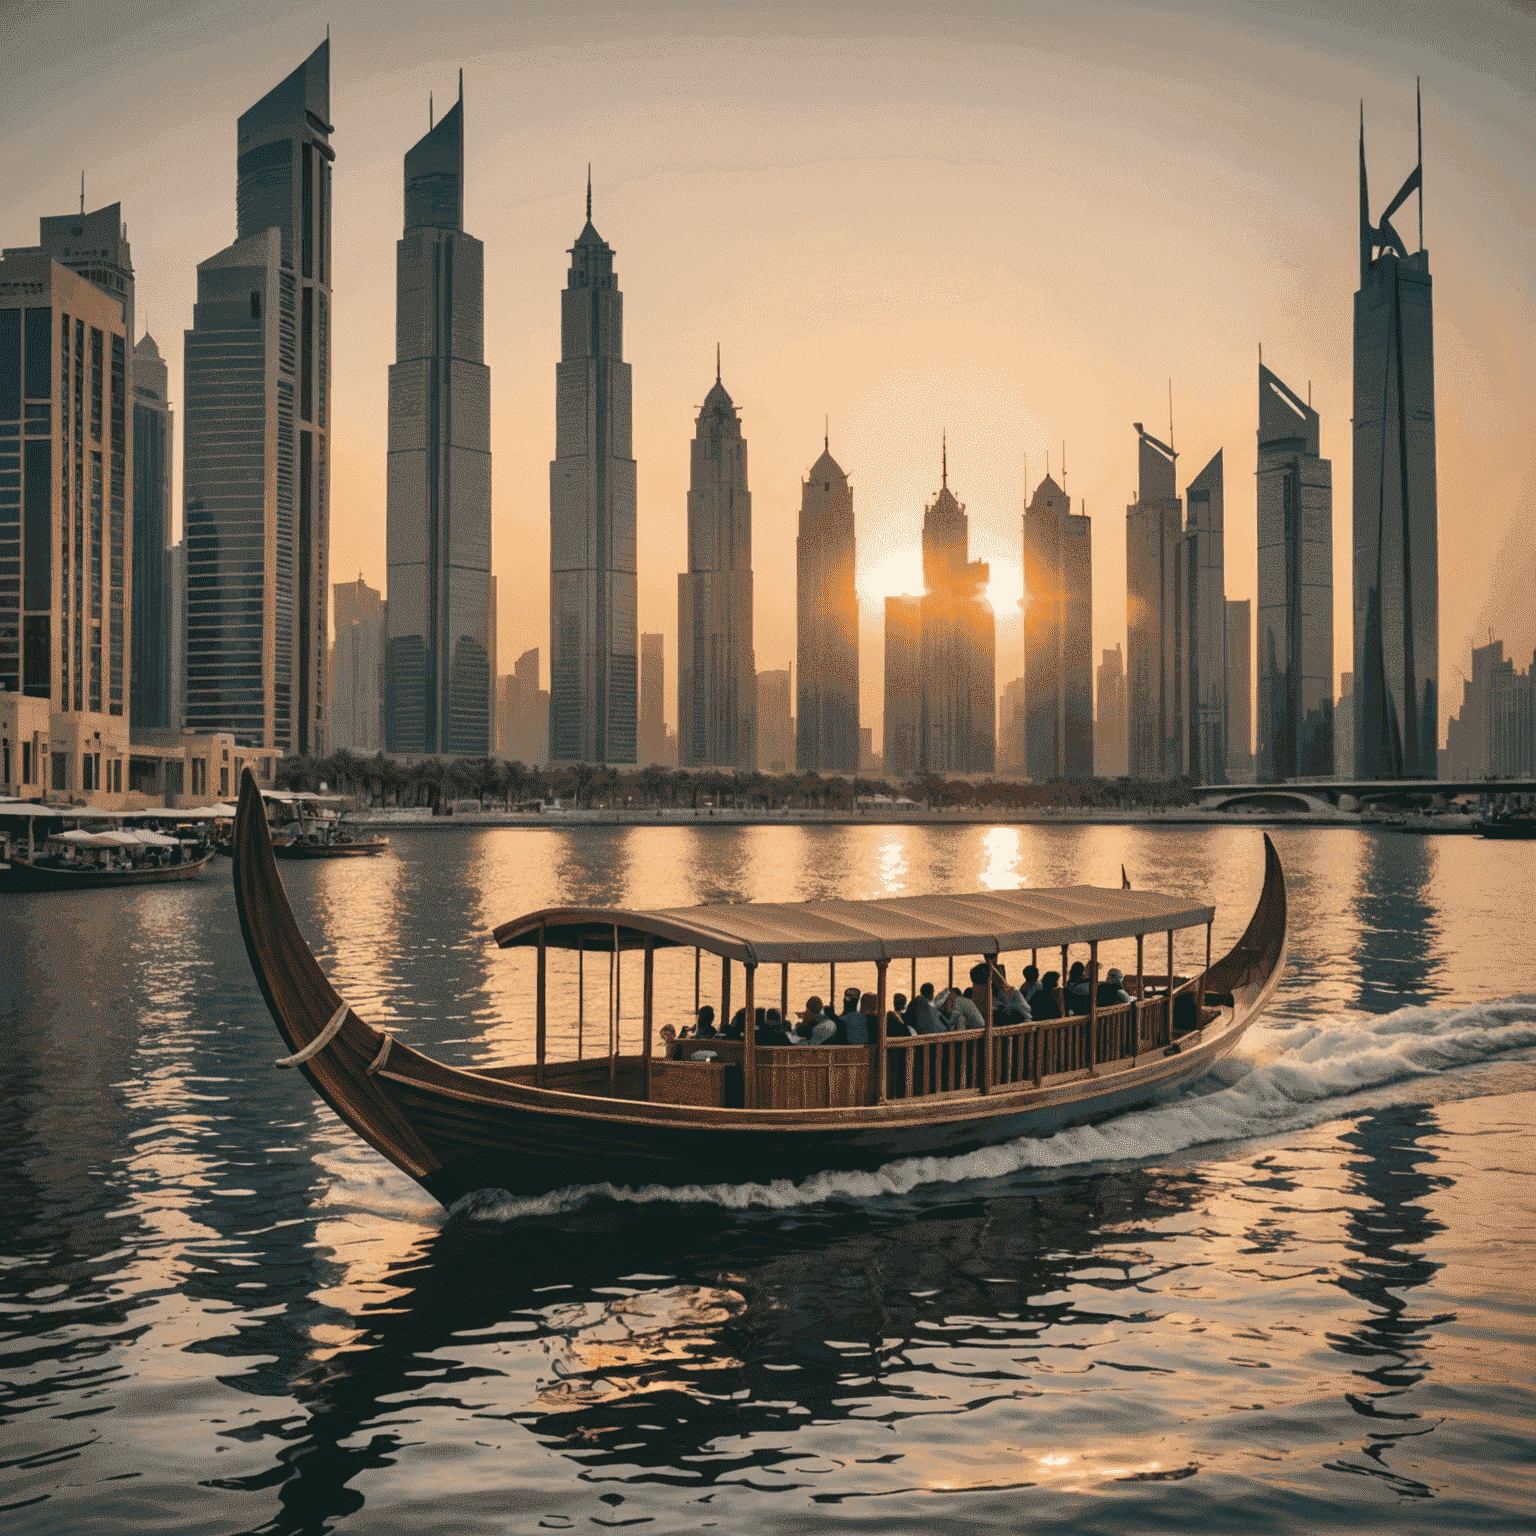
column 716, row 667
column 440, row 652
column 594, row 632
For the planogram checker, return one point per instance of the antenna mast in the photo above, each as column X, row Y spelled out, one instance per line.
column 1418, row 112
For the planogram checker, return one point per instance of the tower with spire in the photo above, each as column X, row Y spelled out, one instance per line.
column 438, row 669
column 957, row 654
column 716, row 667
column 827, row 622
column 1058, row 637
column 257, row 467
column 1156, row 732
column 1396, row 521
column 1295, row 528
column 594, row 634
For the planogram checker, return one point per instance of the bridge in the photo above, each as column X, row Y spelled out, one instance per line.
column 1329, row 794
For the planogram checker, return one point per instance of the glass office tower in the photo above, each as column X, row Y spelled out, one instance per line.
column 438, row 675
column 1396, row 522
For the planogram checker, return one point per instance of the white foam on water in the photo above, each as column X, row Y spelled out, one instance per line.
column 1281, row 1080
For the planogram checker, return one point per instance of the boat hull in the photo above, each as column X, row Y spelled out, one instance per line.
column 28, row 877
column 527, row 1151
column 329, row 850
column 1508, row 831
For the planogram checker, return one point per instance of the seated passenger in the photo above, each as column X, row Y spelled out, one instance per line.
column 1047, row 1003
column 816, row 1026
column 1031, row 982
column 862, row 1024
column 922, row 1018
column 1076, row 998
column 705, row 1028
column 896, row 1019
column 668, row 1036
column 770, row 1029
column 1012, row 1007
column 1112, row 991
column 850, row 1022
column 959, row 1012
column 737, row 1028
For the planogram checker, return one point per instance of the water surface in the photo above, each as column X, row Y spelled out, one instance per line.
column 1299, row 1298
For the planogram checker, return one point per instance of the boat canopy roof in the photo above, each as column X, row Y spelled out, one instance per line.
column 775, row 933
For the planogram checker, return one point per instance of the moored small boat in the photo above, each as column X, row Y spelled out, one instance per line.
column 749, row 1112
column 1512, row 826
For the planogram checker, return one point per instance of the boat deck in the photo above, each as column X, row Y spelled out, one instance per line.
column 943, row 1066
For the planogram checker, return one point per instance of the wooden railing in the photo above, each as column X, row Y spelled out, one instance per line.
column 924, row 1066
column 932, row 1066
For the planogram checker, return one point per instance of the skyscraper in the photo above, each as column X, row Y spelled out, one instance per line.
column 1058, row 637
column 150, row 671
column 1154, row 618
column 357, row 665
column 1295, row 525
column 256, row 463
column 592, row 606
column 827, row 623
column 1239, row 689
column 903, row 683
column 1012, row 728
column 716, row 667
column 1396, row 524
column 1205, row 625
column 438, row 665
column 653, row 693
column 1109, row 737
column 957, row 666
column 775, row 724
column 66, row 462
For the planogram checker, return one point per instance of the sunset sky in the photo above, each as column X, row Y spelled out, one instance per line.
column 1012, row 223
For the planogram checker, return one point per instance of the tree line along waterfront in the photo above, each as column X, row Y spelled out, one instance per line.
column 438, row 784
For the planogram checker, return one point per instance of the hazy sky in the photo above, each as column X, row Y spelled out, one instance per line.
column 1011, row 223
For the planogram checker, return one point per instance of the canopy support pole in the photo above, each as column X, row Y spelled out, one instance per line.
column 581, row 1001
column 1168, row 1000
column 784, row 994
column 882, row 1071
column 540, row 1015
column 1200, row 994
column 697, row 955
column 613, row 1022
column 987, row 1041
column 725, row 995
column 1140, row 983
column 832, row 998
column 1093, row 1005
column 914, row 979
column 749, row 1041
column 648, row 1007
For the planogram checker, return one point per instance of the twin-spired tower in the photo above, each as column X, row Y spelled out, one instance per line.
column 1396, row 520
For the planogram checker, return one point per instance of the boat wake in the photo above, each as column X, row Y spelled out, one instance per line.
column 1282, row 1080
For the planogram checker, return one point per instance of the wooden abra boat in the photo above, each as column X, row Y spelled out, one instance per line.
column 48, row 875
column 756, row 1113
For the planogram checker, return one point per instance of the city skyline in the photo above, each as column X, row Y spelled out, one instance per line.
column 1038, row 402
